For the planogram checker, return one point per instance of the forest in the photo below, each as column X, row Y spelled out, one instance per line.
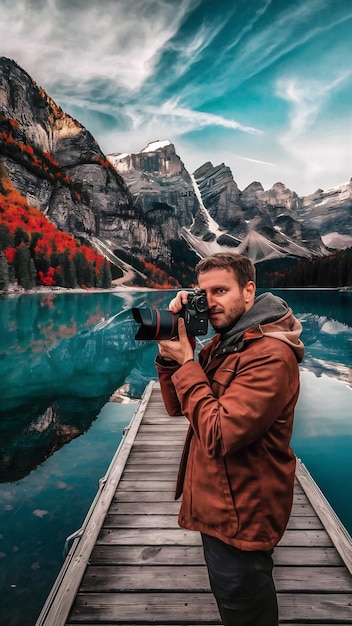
column 334, row 271
column 33, row 251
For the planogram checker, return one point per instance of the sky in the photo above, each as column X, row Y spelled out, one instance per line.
column 264, row 86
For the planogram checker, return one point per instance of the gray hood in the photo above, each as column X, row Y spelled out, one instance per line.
column 273, row 317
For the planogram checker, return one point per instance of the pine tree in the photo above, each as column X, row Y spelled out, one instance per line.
column 22, row 265
column 4, row 272
column 105, row 276
column 84, row 271
column 6, row 239
column 21, row 236
column 69, row 272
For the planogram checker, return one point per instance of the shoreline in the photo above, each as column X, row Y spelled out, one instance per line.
column 17, row 291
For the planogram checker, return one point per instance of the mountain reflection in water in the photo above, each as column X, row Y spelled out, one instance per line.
column 61, row 357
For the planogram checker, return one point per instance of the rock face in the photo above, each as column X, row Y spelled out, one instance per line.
column 330, row 212
column 262, row 224
column 161, row 185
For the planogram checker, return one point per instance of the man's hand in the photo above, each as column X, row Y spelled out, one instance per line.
column 178, row 301
column 180, row 349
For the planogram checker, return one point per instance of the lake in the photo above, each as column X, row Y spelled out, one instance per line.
column 62, row 357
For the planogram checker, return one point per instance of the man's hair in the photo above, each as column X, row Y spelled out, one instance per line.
column 242, row 266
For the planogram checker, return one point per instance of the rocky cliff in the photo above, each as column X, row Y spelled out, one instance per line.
column 162, row 188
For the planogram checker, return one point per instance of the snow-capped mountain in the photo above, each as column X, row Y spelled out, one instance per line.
column 213, row 214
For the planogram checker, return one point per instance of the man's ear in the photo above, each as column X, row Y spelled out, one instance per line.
column 249, row 292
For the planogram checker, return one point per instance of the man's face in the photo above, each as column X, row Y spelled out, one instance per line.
column 226, row 300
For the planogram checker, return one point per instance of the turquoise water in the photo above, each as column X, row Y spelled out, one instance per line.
column 62, row 356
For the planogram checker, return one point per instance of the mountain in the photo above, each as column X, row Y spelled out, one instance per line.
column 164, row 191
column 58, row 167
column 145, row 212
column 265, row 225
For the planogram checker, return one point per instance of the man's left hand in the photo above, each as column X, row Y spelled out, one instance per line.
column 180, row 349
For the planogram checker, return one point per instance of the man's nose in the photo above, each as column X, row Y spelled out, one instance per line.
column 211, row 301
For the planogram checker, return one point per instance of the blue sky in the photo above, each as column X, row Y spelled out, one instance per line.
column 264, row 86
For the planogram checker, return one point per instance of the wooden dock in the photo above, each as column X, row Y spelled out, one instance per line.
column 132, row 564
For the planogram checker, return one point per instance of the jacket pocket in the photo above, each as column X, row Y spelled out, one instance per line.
column 221, row 380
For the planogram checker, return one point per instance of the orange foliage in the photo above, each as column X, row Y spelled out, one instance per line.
column 16, row 213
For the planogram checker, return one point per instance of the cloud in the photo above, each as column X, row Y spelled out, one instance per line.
column 318, row 160
column 307, row 100
column 265, row 43
column 114, row 40
column 187, row 120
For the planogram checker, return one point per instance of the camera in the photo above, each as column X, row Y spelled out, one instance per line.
column 158, row 324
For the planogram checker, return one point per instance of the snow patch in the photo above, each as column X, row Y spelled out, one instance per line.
column 212, row 224
column 337, row 240
column 156, row 145
column 118, row 157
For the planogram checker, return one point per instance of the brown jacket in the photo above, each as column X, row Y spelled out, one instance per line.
column 237, row 468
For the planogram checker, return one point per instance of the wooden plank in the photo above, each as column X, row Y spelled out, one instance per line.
column 172, row 507
column 140, row 521
column 155, row 578
column 149, row 537
column 193, row 555
column 145, row 508
column 151, row 458
column 144, row 520
column 312, row 579
column 307, row 538
column 195, row 608
column 155, row 429
column 123, row 495
column 317, row 608
column 314, row 556
column 165, row 443
column 301, row 510
column 146, row 608
column 159, row 474
column 136, row 485
column 158, row 578
column 144, row 555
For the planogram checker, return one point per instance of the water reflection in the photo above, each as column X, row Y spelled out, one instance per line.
column 61, row 358
column 62, row 355
column 327, row 331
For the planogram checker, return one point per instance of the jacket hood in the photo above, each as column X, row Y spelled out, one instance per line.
column 270, row 316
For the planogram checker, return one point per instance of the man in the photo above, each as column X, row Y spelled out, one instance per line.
column 237, row 468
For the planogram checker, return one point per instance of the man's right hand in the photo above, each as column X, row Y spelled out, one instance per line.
column 178, row 301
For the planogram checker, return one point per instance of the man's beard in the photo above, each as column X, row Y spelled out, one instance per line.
column 229, row 320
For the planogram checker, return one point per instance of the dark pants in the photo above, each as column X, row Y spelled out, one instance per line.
column 242, row 584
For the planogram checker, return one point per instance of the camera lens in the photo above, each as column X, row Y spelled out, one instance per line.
column 155, row 324
column 201, row 303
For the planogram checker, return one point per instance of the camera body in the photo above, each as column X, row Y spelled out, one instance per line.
column 195, row 313
column 158, row 324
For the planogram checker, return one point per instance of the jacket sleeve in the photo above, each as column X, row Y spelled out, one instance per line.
column 168, row 391
column 240, row 406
